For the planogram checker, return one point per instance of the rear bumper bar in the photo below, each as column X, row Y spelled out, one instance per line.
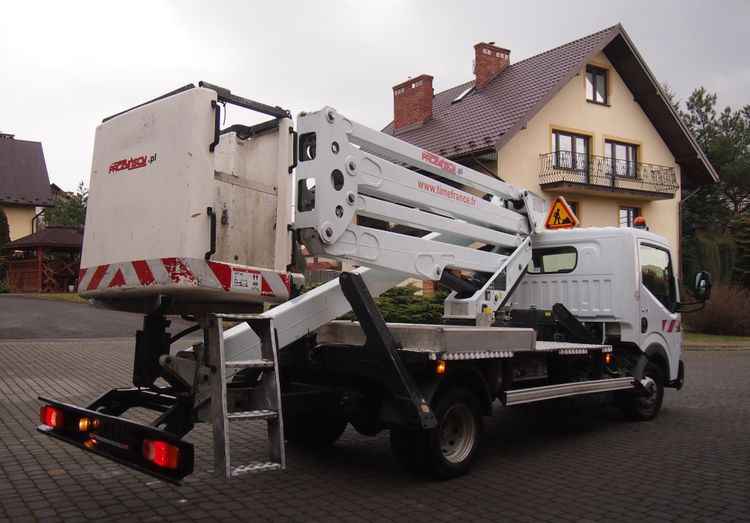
column 121, row 440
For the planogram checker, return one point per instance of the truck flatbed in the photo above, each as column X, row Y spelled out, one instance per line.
column 458, row 342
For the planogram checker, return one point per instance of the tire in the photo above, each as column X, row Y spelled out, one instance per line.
column 314, row 430
column 645, row 408
column 453, row 447
column 450, row 450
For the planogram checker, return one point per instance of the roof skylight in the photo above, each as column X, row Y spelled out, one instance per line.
column 463, row 94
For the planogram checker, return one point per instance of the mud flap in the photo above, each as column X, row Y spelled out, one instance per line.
column 636, row 369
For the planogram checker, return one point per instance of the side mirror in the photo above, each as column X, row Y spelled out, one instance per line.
column 702, row 286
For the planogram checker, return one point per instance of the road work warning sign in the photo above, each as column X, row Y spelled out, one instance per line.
column 561, row 215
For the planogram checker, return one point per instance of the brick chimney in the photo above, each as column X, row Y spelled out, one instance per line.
column 412, row 102
column 488, row 61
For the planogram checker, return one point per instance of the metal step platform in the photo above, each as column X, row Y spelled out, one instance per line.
column 264, row 399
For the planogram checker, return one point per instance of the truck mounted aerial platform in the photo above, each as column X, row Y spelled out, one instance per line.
column 188, row 218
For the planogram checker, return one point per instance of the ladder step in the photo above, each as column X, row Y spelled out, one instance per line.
column 240, row 317
column 259, row 466
column 249, row 364
column 252, row 414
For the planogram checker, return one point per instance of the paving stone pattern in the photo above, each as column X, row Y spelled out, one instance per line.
column 691, row 464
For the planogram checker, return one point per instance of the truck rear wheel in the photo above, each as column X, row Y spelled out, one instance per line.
column 449, row 450
column 641, row 407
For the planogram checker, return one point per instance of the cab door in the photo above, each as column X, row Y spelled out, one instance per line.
column 660, row 324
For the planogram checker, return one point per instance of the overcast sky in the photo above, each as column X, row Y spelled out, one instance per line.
column 67, row 65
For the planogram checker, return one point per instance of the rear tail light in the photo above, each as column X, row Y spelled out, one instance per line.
column 161, row 453
column 51, row 416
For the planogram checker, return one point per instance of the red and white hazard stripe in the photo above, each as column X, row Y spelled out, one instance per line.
column 671, row 326
column 185, row 273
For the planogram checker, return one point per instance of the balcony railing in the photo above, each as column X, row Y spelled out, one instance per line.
column 568, row 170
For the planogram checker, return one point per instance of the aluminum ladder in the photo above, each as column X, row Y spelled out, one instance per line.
column 262, row 402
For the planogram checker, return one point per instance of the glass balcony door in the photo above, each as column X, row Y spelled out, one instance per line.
column 571, row 151
column 621, row 159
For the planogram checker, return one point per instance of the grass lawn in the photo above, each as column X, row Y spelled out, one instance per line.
column 715, row 339
column 59, row 296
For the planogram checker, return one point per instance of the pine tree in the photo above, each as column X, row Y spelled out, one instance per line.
column 68, row 210
column 710, row 233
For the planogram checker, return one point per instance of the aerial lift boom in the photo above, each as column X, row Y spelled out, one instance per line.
column 346, row 170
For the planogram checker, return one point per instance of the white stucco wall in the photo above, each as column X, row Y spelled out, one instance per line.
column 623, row 120
column 19, row 219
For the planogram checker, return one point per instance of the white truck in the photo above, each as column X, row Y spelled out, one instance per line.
column 188, row 218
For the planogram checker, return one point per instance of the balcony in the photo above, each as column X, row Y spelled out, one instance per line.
column 580, row 173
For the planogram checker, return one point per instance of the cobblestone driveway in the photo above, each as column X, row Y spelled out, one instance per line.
column 691, row 464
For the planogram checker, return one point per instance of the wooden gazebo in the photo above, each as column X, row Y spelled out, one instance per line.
column 46, row 261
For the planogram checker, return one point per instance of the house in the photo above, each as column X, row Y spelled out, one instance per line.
column 586, row 120
column 24, row 183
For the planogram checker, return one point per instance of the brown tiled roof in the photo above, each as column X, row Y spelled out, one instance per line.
column 486, row 118
column 49, row 237
column 23, row 173
column 475, row 123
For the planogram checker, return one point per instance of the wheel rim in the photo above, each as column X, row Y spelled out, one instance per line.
column 457, row 433
column 647, row 402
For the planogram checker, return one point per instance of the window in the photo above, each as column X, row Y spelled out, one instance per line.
column 596, row 84
column 656, row 275
column 628, row 216
column 463, row 94
column 621, row 158
column 571, row 150
column 553, row 260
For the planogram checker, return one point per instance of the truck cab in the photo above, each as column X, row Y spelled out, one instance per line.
column 620, row 282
